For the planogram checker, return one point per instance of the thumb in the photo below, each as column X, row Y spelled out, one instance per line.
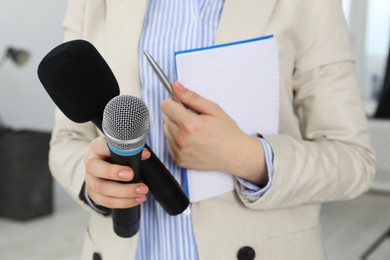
column 193, row 100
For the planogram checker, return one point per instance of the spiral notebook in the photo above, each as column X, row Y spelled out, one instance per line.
column 243, row 78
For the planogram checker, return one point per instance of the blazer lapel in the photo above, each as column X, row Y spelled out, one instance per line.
column 124, row 20
column 244, row 19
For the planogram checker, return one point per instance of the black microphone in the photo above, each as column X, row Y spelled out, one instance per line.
column 78, row 80
column 81, row 83
column 126, row 125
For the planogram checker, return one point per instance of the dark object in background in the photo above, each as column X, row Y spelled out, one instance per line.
column 18, row 56
column 383, row 109
column 26, row 186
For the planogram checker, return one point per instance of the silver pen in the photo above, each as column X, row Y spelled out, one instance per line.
column 162, row 77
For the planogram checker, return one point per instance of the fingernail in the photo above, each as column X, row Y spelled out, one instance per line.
column 141, row 190
column 126, row 175
column 180, row 87
column 140, row 199
column 145, row 154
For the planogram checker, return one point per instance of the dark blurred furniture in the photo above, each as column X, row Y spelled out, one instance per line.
column 383, row 109
column 26, row 186
column 382, row 113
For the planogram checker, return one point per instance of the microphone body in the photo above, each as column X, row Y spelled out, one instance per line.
column 164, row 187
column 81, row 83
column 126, row 125
column 126, row 221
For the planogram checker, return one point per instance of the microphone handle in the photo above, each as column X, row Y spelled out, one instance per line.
column 164, row 187
column 126, row 221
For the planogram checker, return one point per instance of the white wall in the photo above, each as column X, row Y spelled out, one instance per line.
column 35, row 26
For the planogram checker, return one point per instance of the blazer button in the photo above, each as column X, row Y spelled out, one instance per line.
column 246, row 253
column 96, row 256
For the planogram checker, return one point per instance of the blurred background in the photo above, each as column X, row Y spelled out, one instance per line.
column 34, row 26
column 39, row 221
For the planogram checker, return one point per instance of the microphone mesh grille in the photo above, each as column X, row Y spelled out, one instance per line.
column 126, row 122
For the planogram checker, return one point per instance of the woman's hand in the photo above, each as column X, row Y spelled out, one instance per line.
column 209, row 139
column 101, row 178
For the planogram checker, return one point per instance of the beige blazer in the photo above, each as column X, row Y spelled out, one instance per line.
column 322, row 152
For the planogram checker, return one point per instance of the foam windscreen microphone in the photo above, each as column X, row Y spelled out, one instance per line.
column 78, row 80
column 81, row 83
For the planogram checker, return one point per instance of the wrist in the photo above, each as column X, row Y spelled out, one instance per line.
column 248, row 161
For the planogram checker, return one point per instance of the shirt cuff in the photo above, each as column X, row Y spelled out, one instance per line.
column 249, row 188
column 99, row 209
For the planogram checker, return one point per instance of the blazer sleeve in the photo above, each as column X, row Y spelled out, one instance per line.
column 333, row 160
column 69, row 140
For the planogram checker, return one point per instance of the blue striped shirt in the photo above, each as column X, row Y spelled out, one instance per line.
column 171, row 26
